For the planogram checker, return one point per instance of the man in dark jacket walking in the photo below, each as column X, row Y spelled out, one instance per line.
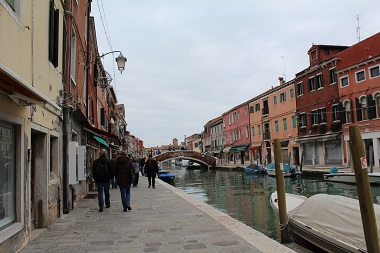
column 102, row 172
column 124, row 173
column 151, row 169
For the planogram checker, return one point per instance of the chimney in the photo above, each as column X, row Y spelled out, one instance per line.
column 281, row 79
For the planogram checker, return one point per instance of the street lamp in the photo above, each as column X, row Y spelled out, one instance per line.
column 120, row 60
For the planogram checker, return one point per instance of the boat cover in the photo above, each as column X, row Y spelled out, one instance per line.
column 334, row 215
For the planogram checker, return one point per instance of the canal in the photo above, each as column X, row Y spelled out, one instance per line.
column 245, row 197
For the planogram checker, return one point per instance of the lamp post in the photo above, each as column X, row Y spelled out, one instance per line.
column 120, row 60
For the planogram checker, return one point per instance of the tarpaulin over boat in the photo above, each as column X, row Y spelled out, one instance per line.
column 336, row 216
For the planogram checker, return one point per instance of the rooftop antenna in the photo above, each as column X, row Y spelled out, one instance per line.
column 358, row 29
column 283, row 62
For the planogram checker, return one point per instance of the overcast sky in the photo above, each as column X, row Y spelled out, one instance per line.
column 191, row 61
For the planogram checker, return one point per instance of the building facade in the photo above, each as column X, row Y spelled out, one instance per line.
column 358, row 81
column 319, row 134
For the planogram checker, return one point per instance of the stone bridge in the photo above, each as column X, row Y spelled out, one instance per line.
column 203, row 159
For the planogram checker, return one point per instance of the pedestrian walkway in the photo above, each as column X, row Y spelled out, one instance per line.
column 164, row 219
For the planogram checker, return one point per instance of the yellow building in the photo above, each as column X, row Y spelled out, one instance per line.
column 30, row 118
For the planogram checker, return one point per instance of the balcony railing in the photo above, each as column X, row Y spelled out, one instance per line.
column 266, row 135
column 265, row 111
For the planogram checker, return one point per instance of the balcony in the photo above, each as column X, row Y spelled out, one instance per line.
column 265, row 111
column 266, row 135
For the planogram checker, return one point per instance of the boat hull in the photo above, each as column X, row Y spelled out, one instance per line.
column 307, row 235
column 272, row 173
column 374, row 178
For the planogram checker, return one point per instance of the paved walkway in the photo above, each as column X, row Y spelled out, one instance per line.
column 164, row 219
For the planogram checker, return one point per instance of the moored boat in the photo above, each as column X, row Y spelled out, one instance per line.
column 289, row 171
column 349, row 177
column 325, row 223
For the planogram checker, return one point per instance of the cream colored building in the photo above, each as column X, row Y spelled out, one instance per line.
column 30, row 118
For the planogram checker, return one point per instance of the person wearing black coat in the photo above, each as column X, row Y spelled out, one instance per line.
column 103, row 181
column 124, row 172
column 151, row 169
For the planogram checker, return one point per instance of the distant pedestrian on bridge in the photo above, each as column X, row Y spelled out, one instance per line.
column 151, row 169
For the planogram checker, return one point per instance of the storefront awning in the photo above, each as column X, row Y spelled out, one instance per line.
column 253, row 148
column 101, row 133
column 238, row 148
column 101, row 141
column 20, row 91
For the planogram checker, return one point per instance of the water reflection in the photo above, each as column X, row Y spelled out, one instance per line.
column 246, row 197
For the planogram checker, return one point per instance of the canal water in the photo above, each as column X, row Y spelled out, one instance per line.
column 245, row 197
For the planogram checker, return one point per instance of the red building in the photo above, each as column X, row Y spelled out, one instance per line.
column 358, row 70
column 318, row 103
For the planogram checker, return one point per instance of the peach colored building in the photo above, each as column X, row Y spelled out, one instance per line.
column 358, row 70
column 272, row 116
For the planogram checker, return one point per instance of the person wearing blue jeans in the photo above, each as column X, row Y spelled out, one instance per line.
column 103, row 187
column 124, row 173
column 102, row 172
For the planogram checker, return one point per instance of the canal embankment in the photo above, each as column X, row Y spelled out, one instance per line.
column 164, row 219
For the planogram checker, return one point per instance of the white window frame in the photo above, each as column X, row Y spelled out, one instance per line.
column 341, row 79
column 369, row 71
column 356, row 76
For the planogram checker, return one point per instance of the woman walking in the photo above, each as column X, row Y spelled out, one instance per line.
column 124, row 176
column 136, row 168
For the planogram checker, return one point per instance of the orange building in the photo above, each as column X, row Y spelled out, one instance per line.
column 272, row 116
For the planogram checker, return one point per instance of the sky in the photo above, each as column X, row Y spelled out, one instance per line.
column 191, row 61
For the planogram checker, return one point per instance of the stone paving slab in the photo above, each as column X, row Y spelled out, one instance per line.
column 164, row 219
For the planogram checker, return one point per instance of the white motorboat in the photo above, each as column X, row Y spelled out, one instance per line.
column 349, row 177
column 289, row 171
column 325, row 223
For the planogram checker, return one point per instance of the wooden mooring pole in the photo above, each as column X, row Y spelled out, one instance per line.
column 281, row 192
column 360, row 166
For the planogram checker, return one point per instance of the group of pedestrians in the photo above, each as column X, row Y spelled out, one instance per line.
column 122, row 171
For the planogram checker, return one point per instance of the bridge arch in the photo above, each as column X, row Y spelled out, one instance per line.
column 187, row 154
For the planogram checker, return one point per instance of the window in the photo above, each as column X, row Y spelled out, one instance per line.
column 276, row 126
column 284, row 124
column 258, row 130
column 246, row 131
column 253, row 131
column 238, row 115
column 275, row 100
column 321, row 115
column 300, row 88
column 362, row 108
column 53, row 34
column 347, row 109
column 335, row 112
column 102, row 117
column 294, row 122
column 374, row 72
column 313, row 55
column 73, row 54
column 251, row 109
column 13, row 6
column 283, row 97
column 314, row 117
column 245, row 112
column 8, row 174
column 291, row 92
column 360, row 76
column 332, row 73
column 377, row 104
column 302, row 120
column 257, row 107
column 229, row 121
column 311, row 84
column 318, row 81
column 233, row 117
column 344, row 81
